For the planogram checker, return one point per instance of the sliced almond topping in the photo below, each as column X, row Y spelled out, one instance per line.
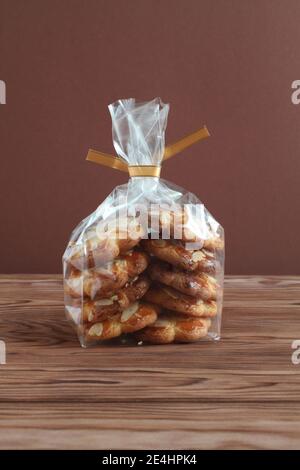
column 104, row 302
column 170, row 293
column 212, row 280
column 120, row 262
column 197, row 256
column 128, row 312
column 96, row 330
column 104, row 272
column 90, row 316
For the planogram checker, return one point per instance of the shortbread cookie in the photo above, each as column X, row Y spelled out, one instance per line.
column 133, row 318
column 171, row 299
column 174, row 328
column 98, row 310
column 177, row 255
column 106, row 281
column 191, row 283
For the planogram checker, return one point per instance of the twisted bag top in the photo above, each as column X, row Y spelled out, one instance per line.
column 138, row 131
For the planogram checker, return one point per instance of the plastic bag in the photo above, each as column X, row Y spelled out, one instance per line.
column 147, row 265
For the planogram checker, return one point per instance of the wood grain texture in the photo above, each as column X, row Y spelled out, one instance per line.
column 241, row 392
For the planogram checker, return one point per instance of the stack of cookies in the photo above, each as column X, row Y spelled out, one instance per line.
column 104, row 282
column 160, row 290
column 184, row 287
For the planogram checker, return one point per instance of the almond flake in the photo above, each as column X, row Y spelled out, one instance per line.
column 104, row 302
column 128, row 312
column 96, row 330
column 170, row 293
column 197, row 256
column 90, row 316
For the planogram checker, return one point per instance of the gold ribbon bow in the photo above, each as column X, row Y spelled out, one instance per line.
column 147, row 170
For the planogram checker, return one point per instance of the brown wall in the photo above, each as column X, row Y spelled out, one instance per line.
column 226, row 63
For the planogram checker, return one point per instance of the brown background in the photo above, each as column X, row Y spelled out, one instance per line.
column 229, row 64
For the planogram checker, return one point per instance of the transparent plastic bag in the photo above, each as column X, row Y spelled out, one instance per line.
column 147, row 265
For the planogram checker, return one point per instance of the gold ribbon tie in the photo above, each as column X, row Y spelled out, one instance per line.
column 144, row 170
column 147, row 170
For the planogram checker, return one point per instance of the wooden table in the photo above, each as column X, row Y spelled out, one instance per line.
column 241, row 392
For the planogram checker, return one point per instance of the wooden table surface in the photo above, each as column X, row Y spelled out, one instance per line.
column 241, row 392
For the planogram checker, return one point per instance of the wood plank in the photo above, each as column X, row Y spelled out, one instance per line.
column 243, row 391
column 149, row 426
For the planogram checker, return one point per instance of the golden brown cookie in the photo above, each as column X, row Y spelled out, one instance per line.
column 179, row 224
column 98, row 310
column 191, row 283
column 134, row 291
column 106, row 281
column 174, row 328
column 175, row 254
column 98, row 248
column 100, row 283
column 136, row 262
column 92, row 253
column 133, row 318
column 73, row 282
column 213, row 244
column 171, row 299
column 167, row 220
column 126, row 232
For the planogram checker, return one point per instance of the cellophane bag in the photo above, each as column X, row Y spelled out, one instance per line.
column 147, row 265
